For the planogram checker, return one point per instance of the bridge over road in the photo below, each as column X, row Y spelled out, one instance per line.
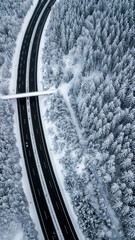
column 27, row 94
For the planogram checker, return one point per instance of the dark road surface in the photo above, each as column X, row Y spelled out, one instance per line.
column 50, row 179
column 45, row 219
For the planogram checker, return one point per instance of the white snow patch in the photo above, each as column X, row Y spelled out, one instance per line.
column 76, row 68
column 69, row 64
column 64, row 88
column 13, row 232
column 19, row 236
column 80, row 168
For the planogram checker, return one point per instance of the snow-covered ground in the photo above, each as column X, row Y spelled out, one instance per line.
column 54, row 157
column 12, row 90
column 19, row 235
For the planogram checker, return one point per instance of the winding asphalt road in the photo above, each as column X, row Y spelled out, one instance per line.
column 50, row 179
column 45, row 219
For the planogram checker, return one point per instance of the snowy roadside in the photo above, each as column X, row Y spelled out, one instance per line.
column 12, row 90
column 58, row 169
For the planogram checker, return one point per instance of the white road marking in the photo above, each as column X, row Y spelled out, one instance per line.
column 26, row 136
column 66, row 229
column 40, row 147
column 45, row 214
column 57, row 204
column 32, row 181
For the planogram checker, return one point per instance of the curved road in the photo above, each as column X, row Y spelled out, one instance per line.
column 46, row 222
column 50, row 179
column 51, row 182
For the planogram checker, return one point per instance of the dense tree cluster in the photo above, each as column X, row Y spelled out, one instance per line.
column 11, row 18
column 90, row 46
column 14, row 211
column 13, row 203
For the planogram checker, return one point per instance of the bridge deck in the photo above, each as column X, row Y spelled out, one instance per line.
column 27, row 94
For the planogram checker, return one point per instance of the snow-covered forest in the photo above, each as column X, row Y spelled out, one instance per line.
column 15, row 221
column 89, row 57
